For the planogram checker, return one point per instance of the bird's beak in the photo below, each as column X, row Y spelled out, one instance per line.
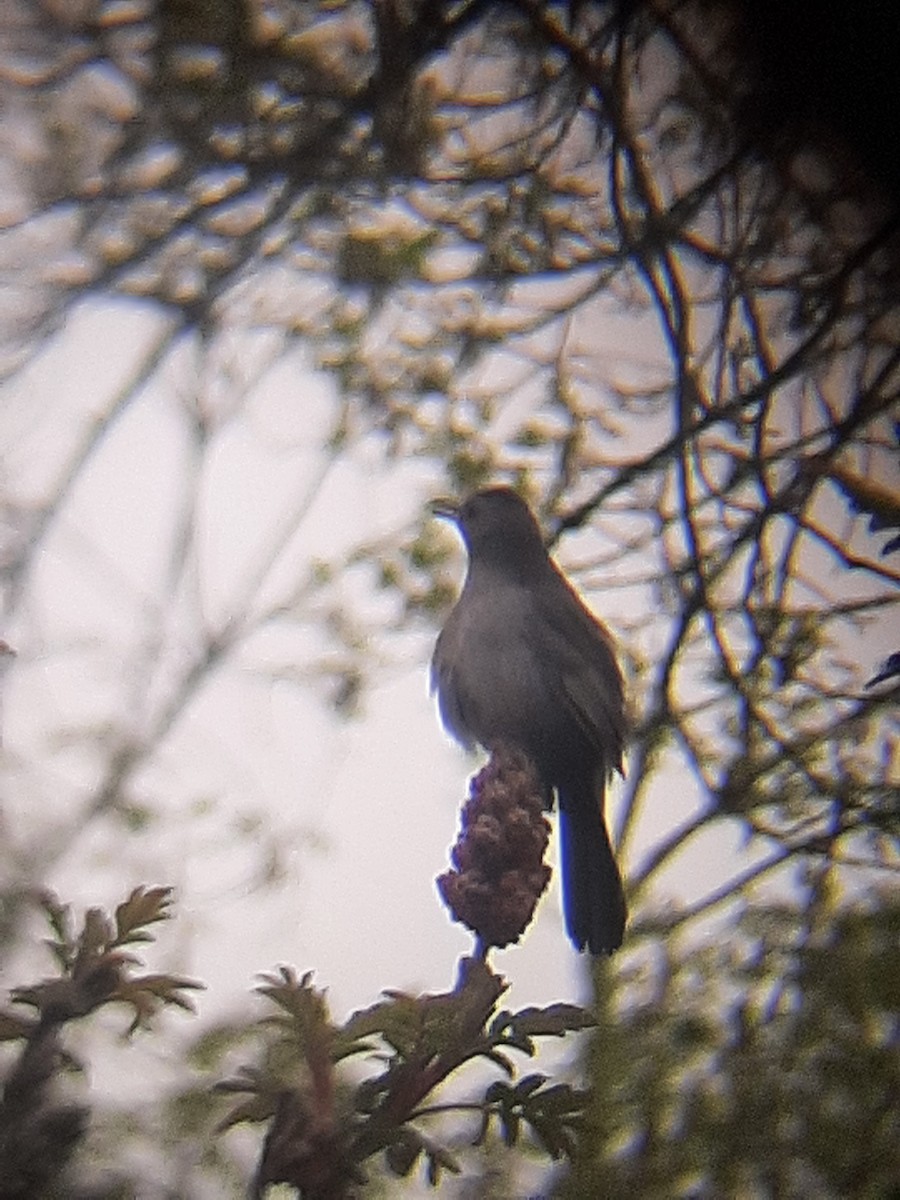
column 442, row 507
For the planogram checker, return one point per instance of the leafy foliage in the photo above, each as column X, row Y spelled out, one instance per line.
column 95, row 969
column 322, row 1130
column 767, row 1060
column 38, row 1131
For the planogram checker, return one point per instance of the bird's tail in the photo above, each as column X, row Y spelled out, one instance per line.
column 593, row 898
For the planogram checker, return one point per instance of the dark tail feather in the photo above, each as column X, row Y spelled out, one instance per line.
column 593, row 899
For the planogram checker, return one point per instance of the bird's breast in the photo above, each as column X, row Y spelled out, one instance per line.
column 497, row 683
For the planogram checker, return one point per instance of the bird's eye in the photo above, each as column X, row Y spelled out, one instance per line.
column 471, row 510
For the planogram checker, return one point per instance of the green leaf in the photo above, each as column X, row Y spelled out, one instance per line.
column 147, row 994
column 305, row 1016
column 145, row 906
column 554, row 1021
column 526, row 1086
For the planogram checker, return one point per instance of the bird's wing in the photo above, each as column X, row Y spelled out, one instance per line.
column 589, row 678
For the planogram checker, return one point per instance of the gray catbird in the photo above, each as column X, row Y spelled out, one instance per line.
column 522, row 662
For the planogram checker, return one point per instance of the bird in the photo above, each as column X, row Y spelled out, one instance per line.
column 522, row 662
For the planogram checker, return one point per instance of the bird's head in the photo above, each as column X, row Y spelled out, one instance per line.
column 497, row 526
